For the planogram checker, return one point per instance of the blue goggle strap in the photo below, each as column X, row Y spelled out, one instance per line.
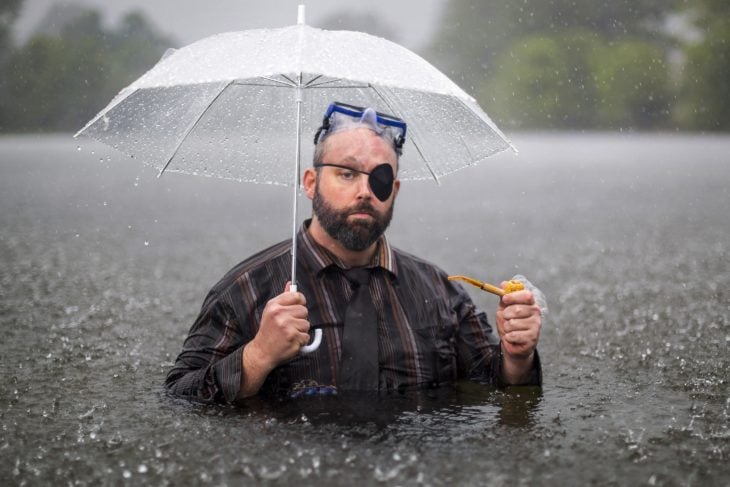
column 358, row 113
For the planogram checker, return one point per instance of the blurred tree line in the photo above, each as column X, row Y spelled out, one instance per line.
column 586, row 64
column 58, row 81
column 551, row 64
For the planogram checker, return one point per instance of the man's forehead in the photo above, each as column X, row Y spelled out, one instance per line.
column 358, row 144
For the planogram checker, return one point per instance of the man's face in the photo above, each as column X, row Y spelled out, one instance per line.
column 342, row 200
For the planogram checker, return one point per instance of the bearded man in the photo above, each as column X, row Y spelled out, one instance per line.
column 390, row 321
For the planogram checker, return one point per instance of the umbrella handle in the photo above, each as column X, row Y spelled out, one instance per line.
column 312, row 347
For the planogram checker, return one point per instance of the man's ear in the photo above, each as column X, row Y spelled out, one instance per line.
column 396, row 188
column 309, row 181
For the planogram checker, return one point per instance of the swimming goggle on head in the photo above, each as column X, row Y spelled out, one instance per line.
column 341, row 116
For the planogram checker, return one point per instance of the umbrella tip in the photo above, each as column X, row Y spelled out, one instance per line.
column 300, row 15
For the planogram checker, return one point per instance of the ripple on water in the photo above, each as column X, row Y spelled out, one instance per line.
column 635, row 350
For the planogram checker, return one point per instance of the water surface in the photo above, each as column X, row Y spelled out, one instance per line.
column 105, row 267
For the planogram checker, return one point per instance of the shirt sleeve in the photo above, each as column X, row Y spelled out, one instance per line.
column 479, row 354
column 209, row 368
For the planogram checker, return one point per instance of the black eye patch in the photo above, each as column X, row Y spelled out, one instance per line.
column 381, row 181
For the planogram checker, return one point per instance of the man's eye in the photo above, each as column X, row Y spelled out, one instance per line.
column 347, row 175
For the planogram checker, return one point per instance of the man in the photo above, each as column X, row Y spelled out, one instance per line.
column 390, row 321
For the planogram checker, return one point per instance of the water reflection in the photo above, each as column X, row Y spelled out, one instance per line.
column 518, row 406
column 466, row 404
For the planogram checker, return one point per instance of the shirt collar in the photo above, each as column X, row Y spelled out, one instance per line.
column 317, row 258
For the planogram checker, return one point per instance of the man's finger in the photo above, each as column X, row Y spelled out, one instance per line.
column 521, row 324
column 295, row 311
column 305, row 340
column 517, row 325
column 518, row 297
column 301, row 325
column 519, row 338
column 289, row 299
column 517, row 311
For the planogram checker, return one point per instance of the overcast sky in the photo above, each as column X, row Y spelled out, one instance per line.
column 189, row 20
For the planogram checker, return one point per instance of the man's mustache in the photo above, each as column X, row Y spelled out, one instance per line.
column 363, row 208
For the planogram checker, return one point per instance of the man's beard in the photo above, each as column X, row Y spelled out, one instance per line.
column 355, row 236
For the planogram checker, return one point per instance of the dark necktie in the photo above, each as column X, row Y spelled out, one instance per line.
column 359, row 364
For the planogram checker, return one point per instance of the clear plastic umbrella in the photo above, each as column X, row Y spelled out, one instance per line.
column 236, row 106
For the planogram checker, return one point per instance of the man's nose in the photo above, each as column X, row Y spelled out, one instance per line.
column 363, row 187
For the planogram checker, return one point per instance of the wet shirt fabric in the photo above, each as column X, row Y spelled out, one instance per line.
column 429, row 331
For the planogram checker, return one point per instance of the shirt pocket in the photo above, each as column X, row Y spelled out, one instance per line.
column 434, row 329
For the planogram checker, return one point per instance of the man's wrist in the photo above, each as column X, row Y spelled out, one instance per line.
column 516, row 369
column 255, row 370
column 255, row 358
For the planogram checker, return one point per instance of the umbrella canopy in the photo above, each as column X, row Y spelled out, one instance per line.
column 225, row 106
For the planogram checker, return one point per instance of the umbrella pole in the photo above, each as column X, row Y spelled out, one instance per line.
column 318, row 332
column 297, row 167
column 295, row 199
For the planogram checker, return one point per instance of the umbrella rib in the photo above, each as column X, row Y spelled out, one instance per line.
column 311, row 84
column 263, row 85
column 192, row 125
column 282, row 84
column 291, row 84
column 306, row 85
column 414, row 138
column 472, row 159
column 104, row 112
column 491, row 125
column 322, row 85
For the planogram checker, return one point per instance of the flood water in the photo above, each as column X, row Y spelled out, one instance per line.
column 104, row 268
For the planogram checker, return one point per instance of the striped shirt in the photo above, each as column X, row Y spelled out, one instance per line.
column 429, row 331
